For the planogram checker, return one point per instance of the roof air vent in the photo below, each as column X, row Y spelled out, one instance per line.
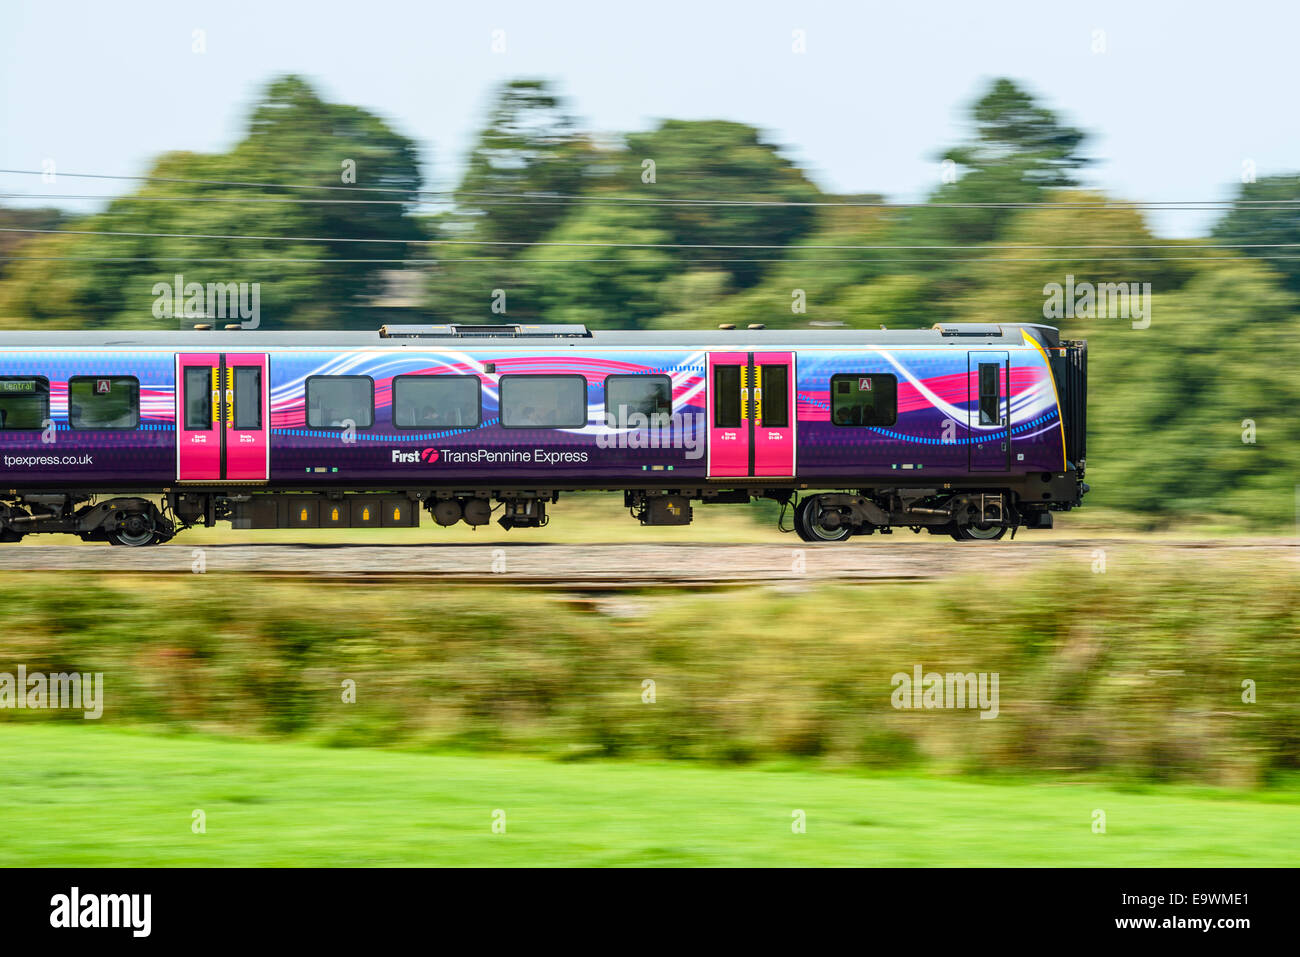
column 977, row 329
column 503, row 331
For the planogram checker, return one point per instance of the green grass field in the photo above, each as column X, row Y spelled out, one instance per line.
column 90, row 796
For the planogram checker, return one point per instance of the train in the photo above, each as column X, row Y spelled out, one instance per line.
column 967, row 430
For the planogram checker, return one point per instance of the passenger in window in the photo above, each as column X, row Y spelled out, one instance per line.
column 849, row 415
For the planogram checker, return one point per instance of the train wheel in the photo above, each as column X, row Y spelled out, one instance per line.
column 135, row 530
column 809, row 529
column 979, row 533
column 798, row 520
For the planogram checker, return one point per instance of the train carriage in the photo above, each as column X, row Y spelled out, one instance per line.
column 963, row 429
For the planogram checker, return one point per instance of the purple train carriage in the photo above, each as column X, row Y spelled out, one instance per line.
column 129, row 437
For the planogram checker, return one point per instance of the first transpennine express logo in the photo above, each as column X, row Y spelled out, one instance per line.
column 456, row 457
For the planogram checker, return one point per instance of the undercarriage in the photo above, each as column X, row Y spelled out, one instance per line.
column 135, row 517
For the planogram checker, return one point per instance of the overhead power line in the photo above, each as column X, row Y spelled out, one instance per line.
column 545, row 198
column 1206, row 206
column 226, row 182
column 499, row 260
column 1180, row 247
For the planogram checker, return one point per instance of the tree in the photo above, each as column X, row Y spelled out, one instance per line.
column 609, row 286
column 1019, row 151
column 1006, row 285
column 530, row 147
column 528, row 161
column 627, row 200
column 1168, row 404
column 294, row 137
column 1259, row 215
column 717, row 162
column 10, row 243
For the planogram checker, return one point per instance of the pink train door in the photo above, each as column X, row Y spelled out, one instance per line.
column 222, row 418
column 248, row 448
column 773, row 437
column 729, row 420
column 751, row 415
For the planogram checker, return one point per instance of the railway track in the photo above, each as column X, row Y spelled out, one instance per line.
column 616, row 567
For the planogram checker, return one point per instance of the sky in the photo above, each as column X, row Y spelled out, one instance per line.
column 1177, row 96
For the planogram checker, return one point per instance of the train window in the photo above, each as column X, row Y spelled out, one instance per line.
column 24, row 403
column 726, row 397
column 776, row 396
column 334, row 401
column 248, row 398
column 990, row 393
column 543, row 401
column 436, row 402
column 198, row 398
column 103, row 402
column 864, row 399
column 628, row 395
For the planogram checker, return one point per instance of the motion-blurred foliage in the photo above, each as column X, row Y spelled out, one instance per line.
column 293, row 137
column 1170, row 403
column 1138, row 672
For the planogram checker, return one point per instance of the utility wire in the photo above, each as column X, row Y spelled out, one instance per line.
column 619, row 245
column 568, row 198
column 498, row 260
column 1205, row 206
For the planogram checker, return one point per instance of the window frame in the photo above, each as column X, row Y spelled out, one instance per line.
column 501, row 402
column 996, row 395
column 45, row 417
column 718, row 391
column 261, row 392
column 117, row 428
column 639, row 375
column 861, row 375
column 185, row 396
column 478, row 406
column 306, row 404
column 785, row 394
